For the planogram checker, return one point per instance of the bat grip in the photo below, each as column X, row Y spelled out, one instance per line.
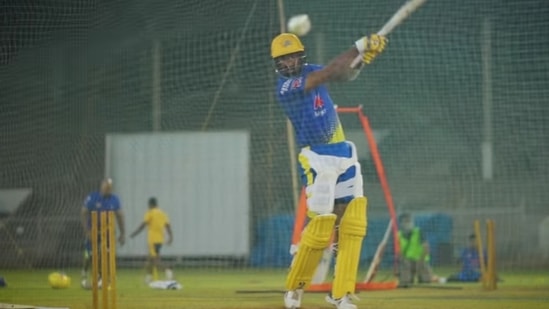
column 383, row 32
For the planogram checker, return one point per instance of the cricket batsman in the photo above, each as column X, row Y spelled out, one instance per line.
column 328, row 164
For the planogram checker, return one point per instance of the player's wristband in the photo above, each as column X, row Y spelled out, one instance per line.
column 361, row 44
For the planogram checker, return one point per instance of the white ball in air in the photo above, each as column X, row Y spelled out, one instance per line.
column 299, row 25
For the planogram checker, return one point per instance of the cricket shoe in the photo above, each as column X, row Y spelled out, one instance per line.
column 344, row 302
column 292, row 299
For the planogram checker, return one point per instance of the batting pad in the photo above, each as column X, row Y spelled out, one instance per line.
column 352, row 230
column 315, row 238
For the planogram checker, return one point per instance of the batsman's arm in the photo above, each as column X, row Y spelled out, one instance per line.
column 424, row 244
column 170, row 234
column 337, row 70
column 84, row 219
column 426, row 250
column 138, row 230
column 121, row 226
column 341, row 69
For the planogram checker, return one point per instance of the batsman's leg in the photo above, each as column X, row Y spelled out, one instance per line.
column 86, row 261
column 315, row 238
column 155, row 264
column 425, row 272
column 405, row 272
column 352, row 230
column 149, row 266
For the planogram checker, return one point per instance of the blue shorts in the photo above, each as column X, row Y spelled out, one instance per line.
column 88, row 247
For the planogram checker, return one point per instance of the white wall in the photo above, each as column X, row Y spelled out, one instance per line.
column 201, row 179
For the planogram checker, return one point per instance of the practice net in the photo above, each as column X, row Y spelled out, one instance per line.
column 175, row 99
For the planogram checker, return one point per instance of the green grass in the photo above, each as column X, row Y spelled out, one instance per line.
column 216, row 289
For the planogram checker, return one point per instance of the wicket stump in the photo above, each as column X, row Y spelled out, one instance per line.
column 488, row 262
column 103, row 243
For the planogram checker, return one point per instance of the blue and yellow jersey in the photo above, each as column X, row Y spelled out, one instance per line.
column 312, row 113
column 156, row 221
column 97, row 202
column 470, row 260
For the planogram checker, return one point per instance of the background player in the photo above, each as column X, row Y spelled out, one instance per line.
column 470, row 263
column 156, row 221
column 328, row 164
column 102, row 200
column 414, row 254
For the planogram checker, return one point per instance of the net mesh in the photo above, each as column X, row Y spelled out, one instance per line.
column 74, row 71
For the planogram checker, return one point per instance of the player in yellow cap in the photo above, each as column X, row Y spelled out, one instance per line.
column 328, row 164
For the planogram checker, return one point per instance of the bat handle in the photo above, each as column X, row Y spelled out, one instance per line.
column 385, row 30
column 356, row 61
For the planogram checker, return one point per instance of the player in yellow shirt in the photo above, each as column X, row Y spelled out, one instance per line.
column 156, row 221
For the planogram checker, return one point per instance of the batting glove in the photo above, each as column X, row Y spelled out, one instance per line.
column 371, row 46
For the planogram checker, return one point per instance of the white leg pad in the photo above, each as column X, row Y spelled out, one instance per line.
column 321, row 194
column 358, row 186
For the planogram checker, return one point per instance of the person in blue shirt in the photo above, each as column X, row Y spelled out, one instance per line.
column 470, row 263
column 328, row 164
column 102, row 200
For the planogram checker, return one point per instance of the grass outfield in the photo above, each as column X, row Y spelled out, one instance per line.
column 216, row 289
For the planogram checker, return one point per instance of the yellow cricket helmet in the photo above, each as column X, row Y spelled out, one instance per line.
column 285, row 44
